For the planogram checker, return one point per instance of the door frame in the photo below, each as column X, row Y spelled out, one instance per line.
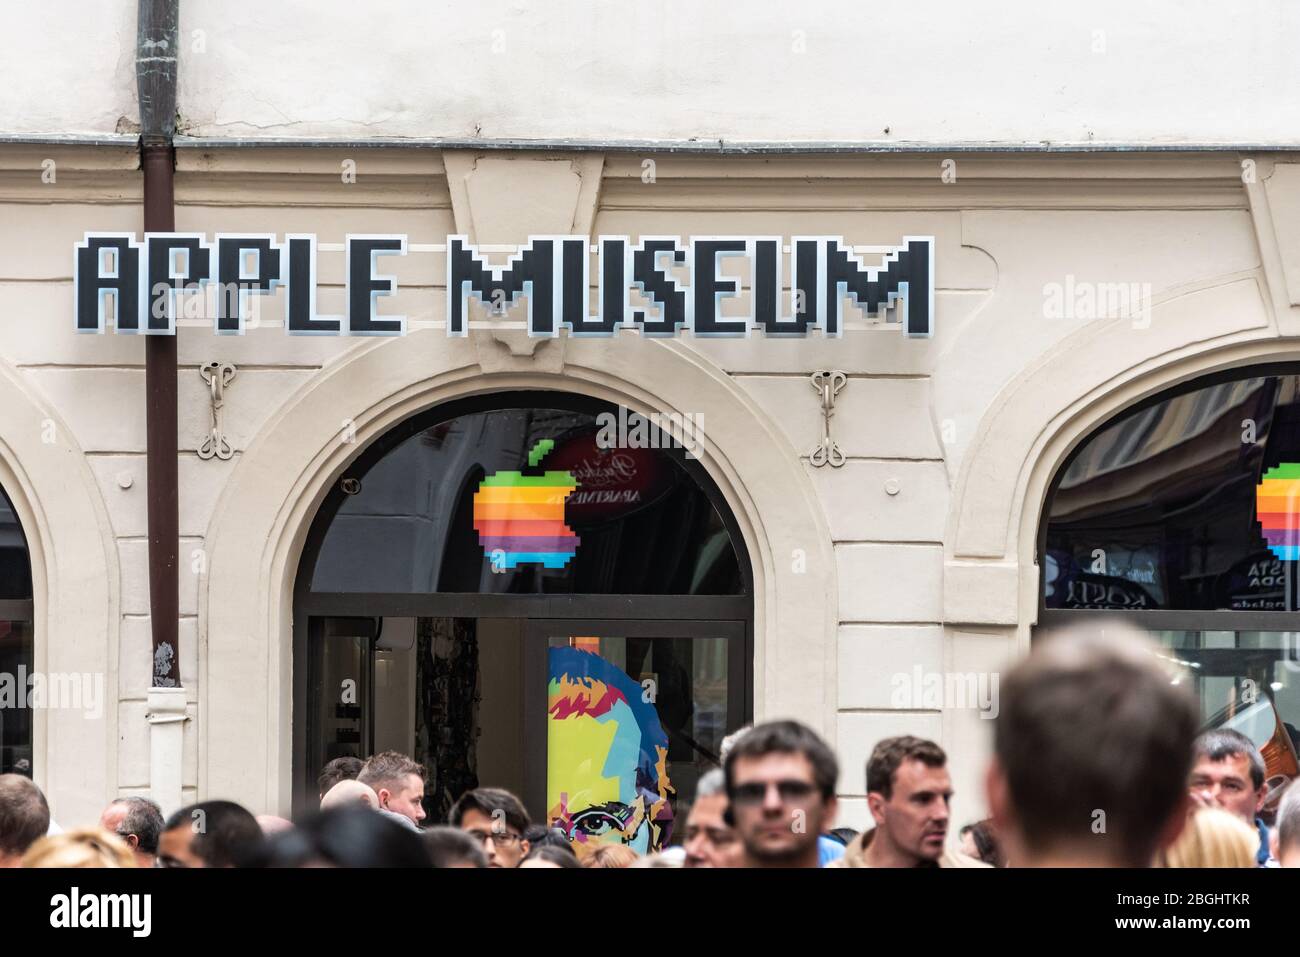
column 663, row 609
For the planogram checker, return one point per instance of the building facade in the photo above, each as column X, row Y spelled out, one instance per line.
column 884, row 593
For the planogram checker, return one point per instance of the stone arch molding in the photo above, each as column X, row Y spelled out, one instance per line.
column 260, row 522
column 75, row 594
column 991, row 572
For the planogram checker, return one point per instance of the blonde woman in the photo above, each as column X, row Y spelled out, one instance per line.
column 611, row 855
column 83, row 847
column 1212, row 838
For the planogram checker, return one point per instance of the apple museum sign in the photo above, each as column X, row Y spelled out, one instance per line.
column 135, row 286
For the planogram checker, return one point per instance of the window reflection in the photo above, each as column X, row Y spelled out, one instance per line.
column 15, row 567
column 645, row 526
column 1248, row 681
column 1158, row 510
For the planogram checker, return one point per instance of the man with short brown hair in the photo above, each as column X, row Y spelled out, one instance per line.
column 345, row 768
column 908, row 794
column 1092, row 749
column 24, row 817
column 398, row 782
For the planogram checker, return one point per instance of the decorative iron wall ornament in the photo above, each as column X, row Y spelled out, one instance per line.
column 217, row 375
column 828, row 384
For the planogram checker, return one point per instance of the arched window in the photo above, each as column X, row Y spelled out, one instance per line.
column 16, row 662
column 1184, row 514
column 534, row 591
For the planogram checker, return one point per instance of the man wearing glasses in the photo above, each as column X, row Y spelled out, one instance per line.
column 497, row 820
column 781, row 790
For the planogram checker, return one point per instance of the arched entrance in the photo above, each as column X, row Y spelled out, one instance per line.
column 528, row 589
column 1183, row 513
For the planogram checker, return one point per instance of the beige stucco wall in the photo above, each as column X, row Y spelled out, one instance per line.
column 967, row 427
column 938, row 73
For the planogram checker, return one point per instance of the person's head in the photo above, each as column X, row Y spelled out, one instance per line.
column 1092, row 746
column 611, row 856
column 1212, row 838
column 729, row 741
column 340, row 769
column 452, row 847
column 908, row 794
column 272, row 824
column 348, row 793
column 662, row 859
column 538, row 835
column 980, row 841
column 496, row 819
column 139, row 822
column 780, row 780
column 548, row 855
column 710, row 840
column 608, row 773
column 82, row 847
column 1286, row 834
column 398, row 782
column 24, row 817
column 342, row 837
column 1228, row 773
column 208, row 834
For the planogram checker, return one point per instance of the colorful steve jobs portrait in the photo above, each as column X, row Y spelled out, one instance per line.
column 607, row 756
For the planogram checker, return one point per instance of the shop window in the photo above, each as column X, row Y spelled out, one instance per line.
column 16, row 655
column 498, row 591
column 1184, row 514
column 427, row 511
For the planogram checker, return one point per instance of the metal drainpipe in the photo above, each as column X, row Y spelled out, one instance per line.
column 155, row 71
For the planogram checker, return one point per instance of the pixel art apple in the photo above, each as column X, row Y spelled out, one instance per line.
column 520, row 518
column 1277, row 508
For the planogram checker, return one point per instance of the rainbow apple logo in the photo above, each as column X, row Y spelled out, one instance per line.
column 520, row 518
column 1277, row 508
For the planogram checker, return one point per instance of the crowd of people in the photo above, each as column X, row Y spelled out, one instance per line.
column 1097, row 761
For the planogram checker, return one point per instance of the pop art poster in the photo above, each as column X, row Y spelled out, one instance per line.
column 607, row 756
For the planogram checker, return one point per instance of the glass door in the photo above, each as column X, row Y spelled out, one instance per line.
column 603, row 727
column 340, row 675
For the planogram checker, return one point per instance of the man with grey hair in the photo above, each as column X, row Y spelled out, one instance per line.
column 710, row 840
column 1229, row 773
column 139, row 822
column 1285, row 839
column 729, row 742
